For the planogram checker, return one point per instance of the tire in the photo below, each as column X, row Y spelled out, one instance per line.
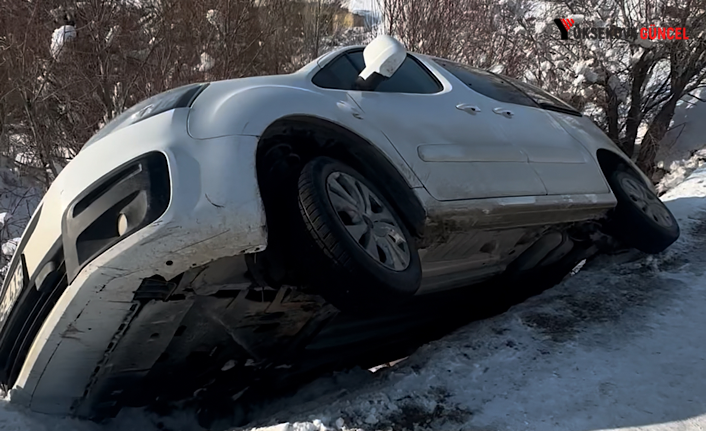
column 346, row 274
column 640, row 219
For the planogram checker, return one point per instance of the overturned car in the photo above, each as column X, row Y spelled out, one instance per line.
column 217, row 229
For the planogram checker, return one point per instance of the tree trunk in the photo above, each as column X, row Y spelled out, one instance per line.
column 612, row 115
column 658, row 128
column 632, row 124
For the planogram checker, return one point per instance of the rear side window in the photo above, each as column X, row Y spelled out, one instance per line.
column 411, row 77
column 486, row 83
column 544, row 99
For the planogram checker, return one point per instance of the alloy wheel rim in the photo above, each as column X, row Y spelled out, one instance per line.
column 368, row 221
column 646, row 201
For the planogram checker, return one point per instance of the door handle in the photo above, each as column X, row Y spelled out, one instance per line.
column 504, row 112
column 347, row 107
column 465, row 107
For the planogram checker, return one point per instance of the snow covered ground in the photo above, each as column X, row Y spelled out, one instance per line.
column 683, row 148
column 618, row 346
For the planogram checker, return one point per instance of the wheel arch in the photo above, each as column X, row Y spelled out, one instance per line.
column 295, row 139
column 609, row 161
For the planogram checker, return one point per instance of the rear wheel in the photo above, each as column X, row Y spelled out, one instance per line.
column 358, row 252
column 640, row 220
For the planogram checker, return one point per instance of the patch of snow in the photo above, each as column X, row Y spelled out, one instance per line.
column 60, row 37
column 578, row 18
column 207, row 63
column 9, row 247
column 363, row 5
column 579, row 80
column 592, row 109
column 687, row 132
column 498, row 68
column 228, row 365
column 540, row 27
column 215, row 18
column 114, row 30
column 679, row 170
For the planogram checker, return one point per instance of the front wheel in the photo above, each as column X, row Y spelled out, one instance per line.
column 640, row 220
column 356, row 248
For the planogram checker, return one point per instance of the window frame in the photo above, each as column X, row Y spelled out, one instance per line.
column 429, row 72
column 486, row 78
column 556, row 104
column 561, row 106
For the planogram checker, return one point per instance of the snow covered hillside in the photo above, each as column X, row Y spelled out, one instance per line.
column 618, row 346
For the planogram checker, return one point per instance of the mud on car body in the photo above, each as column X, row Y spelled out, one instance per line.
column 212, row 233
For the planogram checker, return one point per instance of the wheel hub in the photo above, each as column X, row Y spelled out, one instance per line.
column 368, row 221
column 646, row 201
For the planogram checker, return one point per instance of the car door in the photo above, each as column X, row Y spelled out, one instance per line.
column 451, row 141
column 562, row 163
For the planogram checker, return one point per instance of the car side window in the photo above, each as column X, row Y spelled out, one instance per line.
column 544, row 99
column 411, row 77
column 486, row 83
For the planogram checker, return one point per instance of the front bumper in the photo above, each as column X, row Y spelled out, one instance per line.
column 189, row 202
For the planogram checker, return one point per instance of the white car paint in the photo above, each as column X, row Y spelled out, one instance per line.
column 216, row 209
column 464, row 153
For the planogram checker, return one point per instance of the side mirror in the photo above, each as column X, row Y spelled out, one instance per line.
column 383, row 56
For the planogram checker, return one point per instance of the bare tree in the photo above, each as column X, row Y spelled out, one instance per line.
column 687, row 61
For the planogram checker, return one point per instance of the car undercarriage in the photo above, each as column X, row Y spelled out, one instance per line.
column 218, row 337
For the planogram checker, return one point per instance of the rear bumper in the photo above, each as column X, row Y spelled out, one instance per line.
column 190, row 202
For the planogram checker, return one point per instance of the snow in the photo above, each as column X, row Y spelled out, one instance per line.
column 688, row 129
column 18, row 200
column 61, row 35
column 519, row 30
column 619, row 345
column 215, row 18
column 9, row 247
column 114, row 30
column 578, row 18
column 679, row 170
column 363, row 6
column 498, row 68
column 206, row 64
column 683, row 149
column 540, row 27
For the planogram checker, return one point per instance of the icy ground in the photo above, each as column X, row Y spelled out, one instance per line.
column 618, row 346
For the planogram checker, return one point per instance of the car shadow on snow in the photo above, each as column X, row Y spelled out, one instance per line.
column 618, row 345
